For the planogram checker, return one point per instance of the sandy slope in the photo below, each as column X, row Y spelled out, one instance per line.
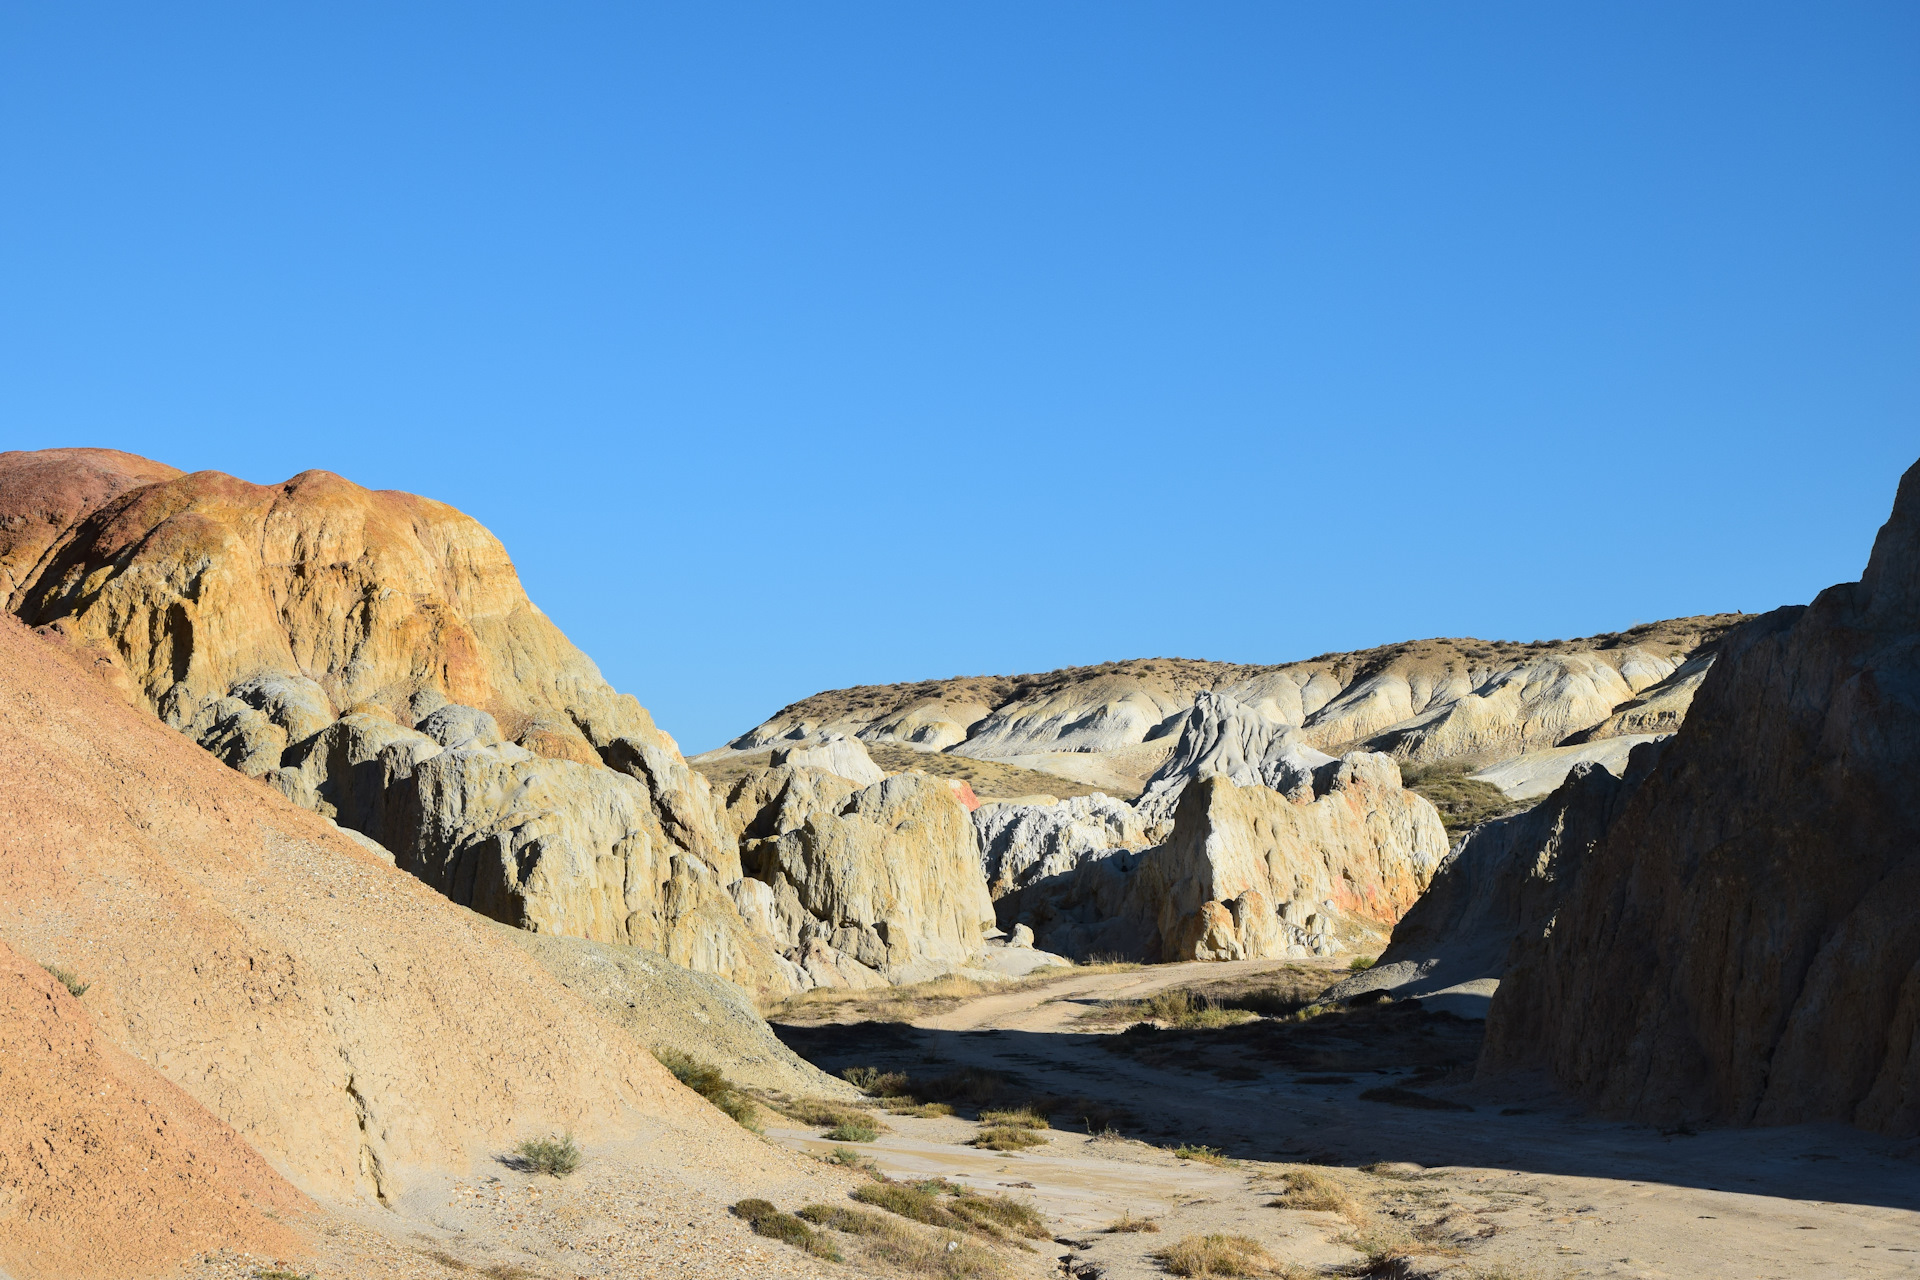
column 372, row 1041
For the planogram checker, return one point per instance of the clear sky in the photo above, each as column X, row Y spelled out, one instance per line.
column 790, row 346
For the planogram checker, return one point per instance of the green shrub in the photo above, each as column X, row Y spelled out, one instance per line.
column 1359, row 963
column 68, row 979
column 852, row 1131
column 767, row 1220
column 706, row 1080
column 555, row 1157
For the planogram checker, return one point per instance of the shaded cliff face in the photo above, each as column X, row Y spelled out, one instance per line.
column 1744, row 943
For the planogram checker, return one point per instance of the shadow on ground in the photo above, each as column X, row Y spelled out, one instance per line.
column 1382, row 1083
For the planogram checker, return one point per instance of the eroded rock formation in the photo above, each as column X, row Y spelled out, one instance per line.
column 373, row 656
column 1743, row 943
column 1248, row 872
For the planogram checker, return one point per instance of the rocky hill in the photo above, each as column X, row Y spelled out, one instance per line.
column 1114, row 725
column 1742, row 943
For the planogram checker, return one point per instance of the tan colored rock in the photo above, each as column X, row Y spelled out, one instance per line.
column 837, row 755
column 662, row 1004
column 1025, row 843
column 107, row 1171
column 1659, row 709
column 1743, row 944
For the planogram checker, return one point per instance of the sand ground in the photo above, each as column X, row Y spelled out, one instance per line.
column 1521, row 1184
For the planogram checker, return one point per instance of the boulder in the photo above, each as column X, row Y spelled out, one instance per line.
column 1743, row 944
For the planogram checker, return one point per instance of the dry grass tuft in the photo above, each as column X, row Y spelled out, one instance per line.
column 853, row 1131
column 1007, row 1137
column 1127, row 1223
column 1315, row 1190
column 1216, row 1255
column 939, row 1203
column 1206, row 1155
column 1025, row 1118
column 824, row 1113
column 68, row 979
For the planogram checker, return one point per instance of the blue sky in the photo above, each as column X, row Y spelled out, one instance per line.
column 793, row 346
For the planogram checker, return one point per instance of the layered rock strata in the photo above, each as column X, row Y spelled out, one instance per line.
column 1742, row 945
column 1113, row 726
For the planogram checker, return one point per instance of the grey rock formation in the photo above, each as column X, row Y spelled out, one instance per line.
column 1222, row 736
column 1022, row 843
column 1743, row 944
column 837, row 755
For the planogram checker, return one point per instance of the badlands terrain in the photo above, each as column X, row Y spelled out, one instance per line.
column 344, row 905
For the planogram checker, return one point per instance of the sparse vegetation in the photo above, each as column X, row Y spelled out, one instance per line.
column 1206, row 1155
column 766, row 1220
column 1314, row 1189
column 913, row 1000
column 1408, row 1098
column 555, row 1157
column 68, row 979
column 1127, row 1223
column 1007, row 1137
column 853, row 1131
column 706, row 1080
column 1464, row 802
column 1179, row 1007
column 1216, row 1255
column 939, row 1203
column 826, row 1114
column 1360, row 964
column 892, row 1242
column 875, row 1083
column 1024, row 1118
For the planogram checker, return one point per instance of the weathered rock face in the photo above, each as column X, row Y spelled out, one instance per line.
column 1244, row 744
column 1023, row 843
column 862, row 886
column 1248, row 873
column 1496, row 892
column 837, row 755
column 374, row 657
column 1743, row 944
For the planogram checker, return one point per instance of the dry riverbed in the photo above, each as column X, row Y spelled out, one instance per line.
column 1371, row 1113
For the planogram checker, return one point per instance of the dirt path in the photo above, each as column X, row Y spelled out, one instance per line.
column 1521, row 1181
